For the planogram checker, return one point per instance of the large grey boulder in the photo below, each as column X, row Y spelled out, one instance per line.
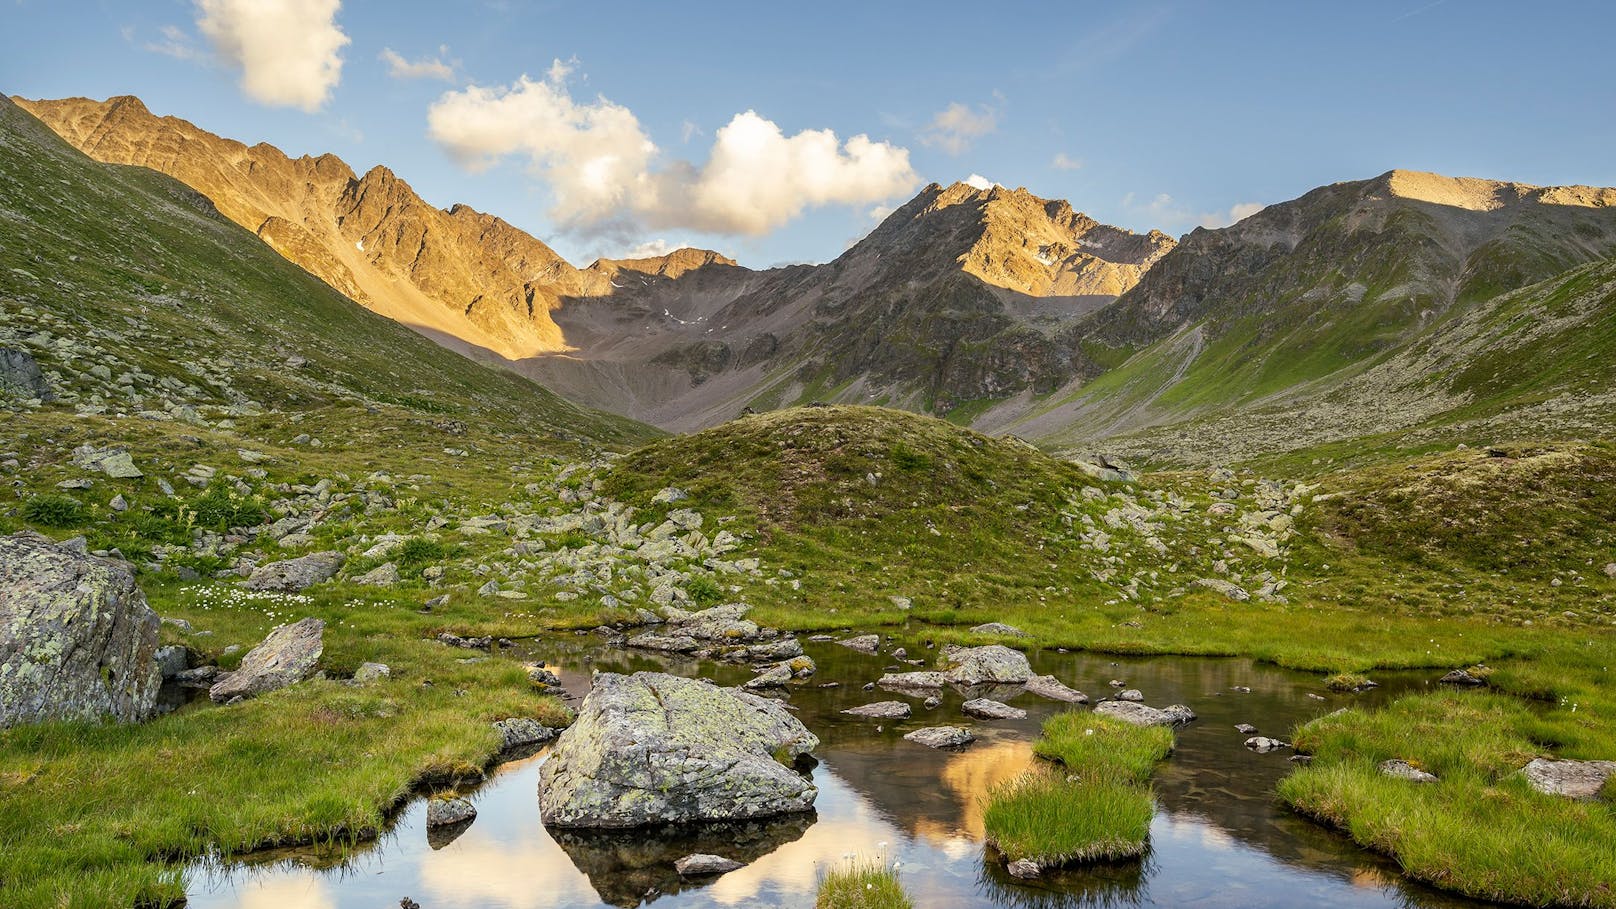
column 21, row 377
column 114, row 462
column 77, row 640
column 881, row 710
column 1142, row 715
column 651, row 748
column 1572, row 779
column 941, row 736
column 1047, row 686
column 286, row 656
column 989, row 709
column 993, row 664
column 296, row 574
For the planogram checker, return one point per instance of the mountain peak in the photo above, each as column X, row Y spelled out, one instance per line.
column 1478, row 194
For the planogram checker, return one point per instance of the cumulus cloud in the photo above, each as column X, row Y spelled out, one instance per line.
column 607, row 176
column 289, row 51
column 1165, row 211
column 956, row 126
column 1063, row 161
column 977, row 181
column 400, row 67
column 649, row 249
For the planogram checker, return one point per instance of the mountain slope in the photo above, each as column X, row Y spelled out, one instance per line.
column 134, row 294
column 1335, row 291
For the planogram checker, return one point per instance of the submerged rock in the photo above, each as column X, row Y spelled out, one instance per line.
column 1047, row 686
column 994, row 663
column 881, row 710
column 941, row 736
column 296, row 574
column 1572, row 779
column 77, row 640
column 287, row 656
column 1024, row 869
column 653, row 748
column 702, row 863
column 912, row 681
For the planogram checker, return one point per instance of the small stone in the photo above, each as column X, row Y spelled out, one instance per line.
column 881, row 710
column 1245, row 728
column 444, row 812
column 864, row 643
column 701, row 864
column 988, row 709
column 1024, row 869
column 1263, row 744
column 1460, row 677
column 1403, row 770
column 941, row 736
column 1131, row 694
column 371, row 672
column 119, row 503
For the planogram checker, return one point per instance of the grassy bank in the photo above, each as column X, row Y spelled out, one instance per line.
column 862, row 885
column 1093, row 805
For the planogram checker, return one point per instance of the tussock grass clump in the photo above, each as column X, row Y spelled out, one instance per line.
column 1095, row 805
column 54, row 511
column 862, row 885
column 1346, row 681
column 1481, row 830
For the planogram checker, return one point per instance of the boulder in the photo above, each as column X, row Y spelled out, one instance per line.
column 912, row 681
column 522, row 732
column 987, row 709
column 114, row 462
column 1403, row 770
column 652, row 748
column 941, row 736
column 881, row 710
column 994, row 663
column 864, row 643
column 172, row 660
column 77, row 640
column 1141, row 715
column 702, row 864
column 999, row 628
column 20, row 375
column 371, row 672
column 286, row 656
column 775, row 676
column 1572, row 779
column 296, row 574
column 1047, row 686
column 383, row 575
column 1131, row 694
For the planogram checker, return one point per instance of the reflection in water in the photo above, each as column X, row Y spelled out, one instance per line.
column 1218, row 838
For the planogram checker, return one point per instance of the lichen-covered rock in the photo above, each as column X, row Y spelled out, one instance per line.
column 286, row 656
column 1047, row 686
column 296, row 574
column 994, row 663
column 653, row 748
column 172, row 660
column 114, row 462
column 77, row 640
column 1142, row 715
column 522, row 732
column 443, row 812
column 941, row 736
column 881, row 710
column 912, row 681
column 989, row 709
column 1403, row 770
column 863, row 643
column 1572, row 779
column 21, row 377
column 999, row 628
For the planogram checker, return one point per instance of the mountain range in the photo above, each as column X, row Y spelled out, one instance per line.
column 1365, row 305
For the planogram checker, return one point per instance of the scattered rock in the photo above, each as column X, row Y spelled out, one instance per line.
column 1131, row 694
column 77, row 640
column 651, row 748
column 910, row 681
column 21, row 377
column 775, row 676
column 1047, row 686
column 988, row 709
column 702, row 864
column 114, row 462
column 1263, row 744
column 287, row 656
column 1572, row 779
column 522, row 732
column 999, row 628
column 1232, row 591
column 383, row 575
column 669, row 495
column 941, row 736
column 1403, row 770
column 296, row 574
column 1024, row 869
column 864, row 643
column 1460, row 677
column 446, row 812
column 881, row 710
column 371, row 672
column 1141, row 715
column 1245, row 728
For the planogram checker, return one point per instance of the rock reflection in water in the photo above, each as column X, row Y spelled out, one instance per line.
column 629, row 867
column 1105, row 886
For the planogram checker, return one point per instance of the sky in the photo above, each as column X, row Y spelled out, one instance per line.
column 782, row 132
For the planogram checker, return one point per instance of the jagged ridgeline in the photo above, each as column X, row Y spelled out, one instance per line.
column 130, row 292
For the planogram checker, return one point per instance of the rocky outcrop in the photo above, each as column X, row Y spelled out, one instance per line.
column 652, row 748
column 296, row 574
column 288, row 655
column 77, row 640
column 20, row 376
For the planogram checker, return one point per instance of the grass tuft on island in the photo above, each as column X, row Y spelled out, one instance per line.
column 862, row 885
column 1096, row 805
column 1480, row 829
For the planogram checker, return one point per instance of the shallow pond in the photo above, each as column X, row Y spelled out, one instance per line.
column 1218, row 838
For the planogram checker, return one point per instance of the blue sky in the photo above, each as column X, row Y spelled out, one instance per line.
column 1145, row 114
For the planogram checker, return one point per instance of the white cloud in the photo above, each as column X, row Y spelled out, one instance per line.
column 606, row 176
column 956, row 126
column 977, row 181
column 425, row 68
column 1063, row 161
column 1244, row 210
column 649, row 249
column 289, row 51
column 175, row 43
column 1169, row 214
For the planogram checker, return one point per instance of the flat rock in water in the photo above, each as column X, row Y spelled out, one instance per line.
column 1141, row 715
column 999, row 628
column 1572, row 779
column 702, row 864
column 881, row 710
column 287, row 656
column 1263, row 744
column 1403, row 770
column 912, row 681
column 774, row 677
column 651, row 748
column 988, row 709
column 668, row 643
column 1047, row 686
column 864, row 643
column 77, row 640
column 941, row 736
column 1132, row 694
column 1245, row 728
column 994, row 663
column 445, row 812
column 296, row 574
